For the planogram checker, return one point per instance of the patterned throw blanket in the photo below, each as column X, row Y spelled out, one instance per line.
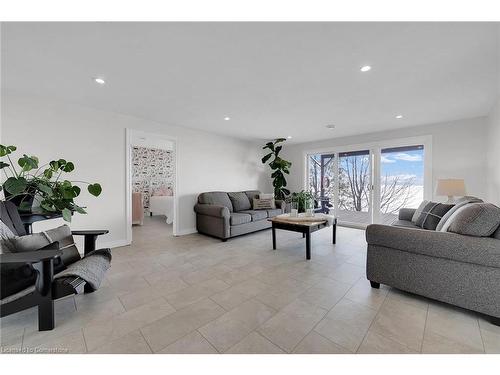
column 91, row 268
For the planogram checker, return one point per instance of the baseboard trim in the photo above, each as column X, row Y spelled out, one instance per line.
column 185, row 232
column 112, row 244
column 124, row 242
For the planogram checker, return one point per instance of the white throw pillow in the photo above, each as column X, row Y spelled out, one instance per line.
column 266, row 196
column 5, row 235
column 264, row 204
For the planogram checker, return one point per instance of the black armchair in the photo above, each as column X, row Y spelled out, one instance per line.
column 27, row 278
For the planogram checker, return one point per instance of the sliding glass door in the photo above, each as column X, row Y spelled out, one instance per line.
column 321, row 180
column 401, row 180
column 354, row 188
column 368, row 185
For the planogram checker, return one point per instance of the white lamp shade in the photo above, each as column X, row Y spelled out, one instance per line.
column 450, row 187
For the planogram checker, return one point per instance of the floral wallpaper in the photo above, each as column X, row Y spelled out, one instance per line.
column 151, row 169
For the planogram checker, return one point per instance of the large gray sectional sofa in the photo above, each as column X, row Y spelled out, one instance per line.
column 225, row 215
column 458, row 269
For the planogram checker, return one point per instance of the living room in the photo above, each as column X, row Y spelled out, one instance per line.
column 333, row 187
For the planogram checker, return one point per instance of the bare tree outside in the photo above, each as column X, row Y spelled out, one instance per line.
column 354, row 182
column 321, row 175
column 395, row 193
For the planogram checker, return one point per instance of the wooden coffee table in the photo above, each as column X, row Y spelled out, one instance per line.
column 304, row 227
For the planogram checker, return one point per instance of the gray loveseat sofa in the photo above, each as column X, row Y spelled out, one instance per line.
column 457, row 269
column 225, row 215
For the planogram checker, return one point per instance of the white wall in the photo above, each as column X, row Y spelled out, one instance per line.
column 493, row 156
column 458, row 151
column 493, row 143
column 493, row 171
column 95, row 141
column 148, row 141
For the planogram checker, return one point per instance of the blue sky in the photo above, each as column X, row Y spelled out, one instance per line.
column 404, row 164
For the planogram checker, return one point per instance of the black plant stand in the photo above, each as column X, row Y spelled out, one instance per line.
column 32, row 217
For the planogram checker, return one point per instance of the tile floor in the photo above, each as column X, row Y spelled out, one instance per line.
column 196, row 294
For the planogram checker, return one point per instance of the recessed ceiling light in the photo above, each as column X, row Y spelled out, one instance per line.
column 227, row 118
column 330, row 126
column 100, row 81
column 399, row 117
column 366, row 68
column 289, row 137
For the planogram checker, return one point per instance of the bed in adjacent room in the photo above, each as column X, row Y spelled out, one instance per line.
column 162, row 205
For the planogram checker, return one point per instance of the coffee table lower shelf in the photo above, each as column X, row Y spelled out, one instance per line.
column 305, row 228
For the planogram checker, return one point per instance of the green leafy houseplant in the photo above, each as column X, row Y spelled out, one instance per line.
column 301, row 198
column 279, row 166
column 28, row 180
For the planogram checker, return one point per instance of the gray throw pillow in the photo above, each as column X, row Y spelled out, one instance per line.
column 36, row 241
column 431, row 215
column 240, row 201
column 468, row 199
column 30, row 242
column 449, row 216
column 479, row 220
column 418, row 211
column 5, row 234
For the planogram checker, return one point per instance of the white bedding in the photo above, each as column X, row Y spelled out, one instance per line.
column 162, row 205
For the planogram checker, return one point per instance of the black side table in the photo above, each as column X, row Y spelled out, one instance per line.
column 29, row 218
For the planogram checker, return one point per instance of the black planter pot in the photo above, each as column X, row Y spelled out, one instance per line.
column 18, row 199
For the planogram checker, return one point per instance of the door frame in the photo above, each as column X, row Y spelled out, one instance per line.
column 129, row 135
column 375, row 152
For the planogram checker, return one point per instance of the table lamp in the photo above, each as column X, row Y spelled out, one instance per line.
column 450, row 187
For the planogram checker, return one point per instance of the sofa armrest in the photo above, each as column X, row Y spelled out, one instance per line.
column 406, row 213
column 212, row 210
column 468, row 249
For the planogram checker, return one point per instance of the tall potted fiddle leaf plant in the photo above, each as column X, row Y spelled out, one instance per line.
column 280, row 167
column 28, row 180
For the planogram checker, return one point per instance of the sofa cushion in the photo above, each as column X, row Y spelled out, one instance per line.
column 218, row 198
column 251, row 194
column 478, row 220
column 275, row 212
column 431, row 215
column 256, row 214
column 497, row 233
column 405, row 224
column 239, row 218
column 240, row 201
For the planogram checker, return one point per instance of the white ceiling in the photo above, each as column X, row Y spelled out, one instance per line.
column 272, row 79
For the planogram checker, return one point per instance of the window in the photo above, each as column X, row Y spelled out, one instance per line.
column 368, row 184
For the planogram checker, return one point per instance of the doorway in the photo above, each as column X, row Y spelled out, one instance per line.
column 151, row 183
